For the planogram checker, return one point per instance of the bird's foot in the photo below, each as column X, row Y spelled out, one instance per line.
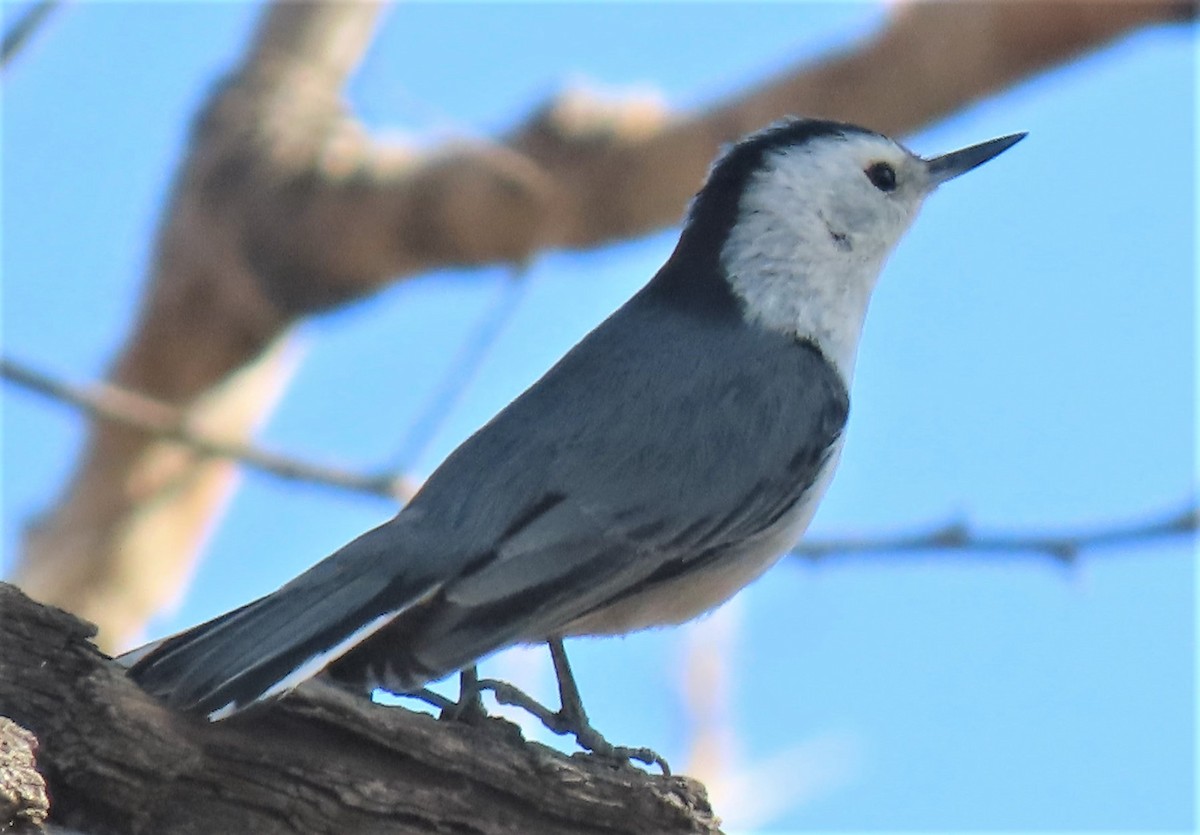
column 575, row 723
column 431, row 698
column 468, row 708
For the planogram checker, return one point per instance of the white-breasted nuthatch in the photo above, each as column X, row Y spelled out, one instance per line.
column 664, row 463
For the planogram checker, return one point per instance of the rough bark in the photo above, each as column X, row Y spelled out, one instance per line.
column 23, row 800
column 285, row 207
column 319, row 761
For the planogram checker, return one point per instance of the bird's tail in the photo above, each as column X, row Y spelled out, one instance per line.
column 268, row 647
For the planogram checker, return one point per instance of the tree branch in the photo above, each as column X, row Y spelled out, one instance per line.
column 135, row 410
column 286, row 207
column 112, row 403
column 319, row 761
column 961, row 536
column 23, row 801
column 21, row 33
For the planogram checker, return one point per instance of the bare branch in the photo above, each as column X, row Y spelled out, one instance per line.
column 24, row 804
column 21, row 33
column 461, row 371
column 109, row 402
column 115, row 404
column 960, row 536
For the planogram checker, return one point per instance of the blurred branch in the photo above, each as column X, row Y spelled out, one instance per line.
column 109, row 402
column 121, row 540
column 286, row 206
column 961, row 536
column 26, row 26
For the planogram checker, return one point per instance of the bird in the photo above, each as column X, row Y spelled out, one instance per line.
column 664, row 463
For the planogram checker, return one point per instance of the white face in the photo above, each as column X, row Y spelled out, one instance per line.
column 815, row 226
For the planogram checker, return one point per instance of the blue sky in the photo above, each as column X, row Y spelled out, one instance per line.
column 1028, row 363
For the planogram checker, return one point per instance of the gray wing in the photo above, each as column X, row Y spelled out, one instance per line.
column 656, row 443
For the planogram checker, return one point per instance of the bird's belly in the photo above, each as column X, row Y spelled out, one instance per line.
column 692, row 593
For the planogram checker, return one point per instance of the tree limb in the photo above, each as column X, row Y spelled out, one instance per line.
column 129, row 408
column 962, row 536
column 23, row 801
column 319, row 761
column 21, row 33
column 285, row 207
column 136, row 411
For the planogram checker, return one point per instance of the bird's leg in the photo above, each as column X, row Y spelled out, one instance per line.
column 469, row 707
column 571, row 705
column 570, row 718
column 575, row 718
column 429, row 697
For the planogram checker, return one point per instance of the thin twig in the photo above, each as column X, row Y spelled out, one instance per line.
column 463, row 368
column 138, row 411
column 960, row 536
column 21, row 32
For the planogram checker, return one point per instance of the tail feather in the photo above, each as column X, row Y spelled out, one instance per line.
column 269, row 646
column 160, row 649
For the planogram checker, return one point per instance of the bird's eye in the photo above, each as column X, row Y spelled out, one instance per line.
column 882, row 176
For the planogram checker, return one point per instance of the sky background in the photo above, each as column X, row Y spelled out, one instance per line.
column 1028, row 364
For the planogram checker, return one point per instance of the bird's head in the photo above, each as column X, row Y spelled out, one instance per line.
column 800, row 217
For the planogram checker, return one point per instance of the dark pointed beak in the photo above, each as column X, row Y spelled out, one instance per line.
column 948, row 166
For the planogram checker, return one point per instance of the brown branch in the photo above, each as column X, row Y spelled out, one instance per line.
column 285, row 207
column 112, row 403
column 619, row 176
column 23, row 801
column 319, row 761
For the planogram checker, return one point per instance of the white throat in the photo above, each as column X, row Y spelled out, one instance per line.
column 802, row 260
column 788, row 290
